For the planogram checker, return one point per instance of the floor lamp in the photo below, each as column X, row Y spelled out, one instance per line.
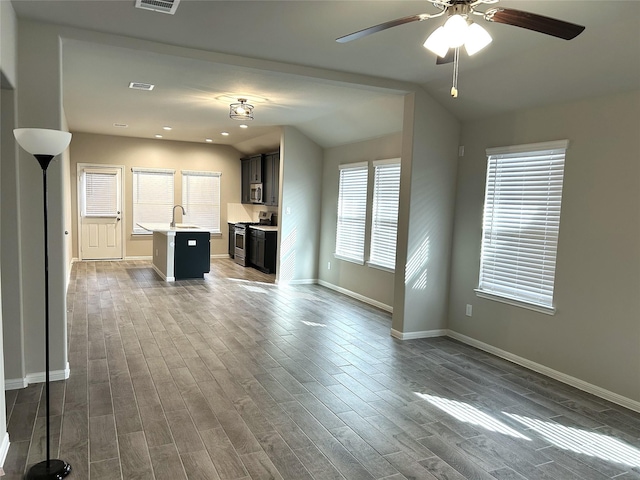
column 44, row 145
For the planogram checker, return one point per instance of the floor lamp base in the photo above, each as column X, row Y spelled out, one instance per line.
column 52, row 470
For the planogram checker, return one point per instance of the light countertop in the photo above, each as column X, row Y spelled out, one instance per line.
column 265, row 228
column 166, row 228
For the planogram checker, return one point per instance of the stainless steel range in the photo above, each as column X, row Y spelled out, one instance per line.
column 241, row 233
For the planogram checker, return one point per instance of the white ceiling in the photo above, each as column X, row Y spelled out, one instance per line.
column 193, row 87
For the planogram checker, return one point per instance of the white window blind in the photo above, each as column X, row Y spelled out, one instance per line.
column 384, row 227
column 153, row 198
column 521, row 223
column 201, row 199
column 100, row 193
column 352, row 212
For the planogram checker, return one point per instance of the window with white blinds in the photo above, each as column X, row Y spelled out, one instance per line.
column 384, row 226
column 100, row 193
column 521, row 224
column 201, row 199
column 153, row 198
column 352, row 212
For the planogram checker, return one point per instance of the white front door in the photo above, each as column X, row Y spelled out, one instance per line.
column 100, row 206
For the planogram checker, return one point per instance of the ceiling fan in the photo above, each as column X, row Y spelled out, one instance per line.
column 460, row 30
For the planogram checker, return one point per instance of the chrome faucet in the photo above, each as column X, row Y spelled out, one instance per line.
column 173, row 217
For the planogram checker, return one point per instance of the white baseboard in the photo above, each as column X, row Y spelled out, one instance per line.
column 357, row 296
column 303, row 281
column 162, row 275
column 15, row 383
column 415, row 335
column 549, row 372
column 4, row 448
column 139, row 257
column 37, row 377
column 220, row 255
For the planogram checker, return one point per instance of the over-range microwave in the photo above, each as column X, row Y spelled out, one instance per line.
column 256, row 193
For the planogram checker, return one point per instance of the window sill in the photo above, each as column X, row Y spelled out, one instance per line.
column 381, row 267
column 347, row 259
column 516, row 303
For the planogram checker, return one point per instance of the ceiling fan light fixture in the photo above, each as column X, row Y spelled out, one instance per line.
column 241, row 110
column 456, row 30
column 438, row 42
column 477, row 39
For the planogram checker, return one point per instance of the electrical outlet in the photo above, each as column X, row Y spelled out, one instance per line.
column 328, row 265
column 469, row 311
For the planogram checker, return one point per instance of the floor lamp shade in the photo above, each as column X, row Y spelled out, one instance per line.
column 42, row 141
column 45, row 144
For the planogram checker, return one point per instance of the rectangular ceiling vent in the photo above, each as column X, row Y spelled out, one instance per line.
column 162, row 6
column 141, row 86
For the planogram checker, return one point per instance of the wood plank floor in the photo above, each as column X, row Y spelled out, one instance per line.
column 232, row 377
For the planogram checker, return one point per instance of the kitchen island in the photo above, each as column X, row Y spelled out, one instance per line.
column 180, row 252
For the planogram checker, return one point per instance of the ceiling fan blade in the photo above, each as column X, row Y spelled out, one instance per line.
column 532, row 21
column 448, row 58
column 382, row 26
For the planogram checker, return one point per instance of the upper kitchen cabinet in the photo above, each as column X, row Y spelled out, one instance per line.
column 256, row 163
column 271, row 178
column 246, row 180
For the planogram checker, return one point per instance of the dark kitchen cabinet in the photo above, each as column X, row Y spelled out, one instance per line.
column 271, row 179
column 192, row 254
column 263, row 249
column 246, row 180
column 232, row 240
column 256, row 166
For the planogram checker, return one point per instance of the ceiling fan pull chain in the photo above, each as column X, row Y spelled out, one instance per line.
column 456, row 62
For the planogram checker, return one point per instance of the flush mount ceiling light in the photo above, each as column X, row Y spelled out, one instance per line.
column 241, row 110
column 459, row 30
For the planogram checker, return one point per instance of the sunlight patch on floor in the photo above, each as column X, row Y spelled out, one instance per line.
column 470, row 414
column 312, row 324
column 583, row 441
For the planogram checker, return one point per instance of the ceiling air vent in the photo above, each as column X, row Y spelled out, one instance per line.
column 162, row 6
column 141, row 86
column 120, row 125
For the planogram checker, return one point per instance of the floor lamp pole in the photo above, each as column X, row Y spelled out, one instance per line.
column 37, row 140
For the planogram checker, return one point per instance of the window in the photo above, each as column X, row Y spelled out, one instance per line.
column 201, row 199
column 521, row 224
column 100, row 192
column 152, row 197
column 352, row 212
column 384, row 226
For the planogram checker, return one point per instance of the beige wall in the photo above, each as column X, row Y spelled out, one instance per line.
column 8, row 49
column 374, row 284
column 39, row 105
column 425, row 220
column 135, row 152
column 595, row 334
column 300, row 198
column 8, row 52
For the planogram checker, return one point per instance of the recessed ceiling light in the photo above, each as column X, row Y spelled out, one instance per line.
column 208, row 140
column 225, row 134
column 166, row 127
column 244, row 126
column 158, row 135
